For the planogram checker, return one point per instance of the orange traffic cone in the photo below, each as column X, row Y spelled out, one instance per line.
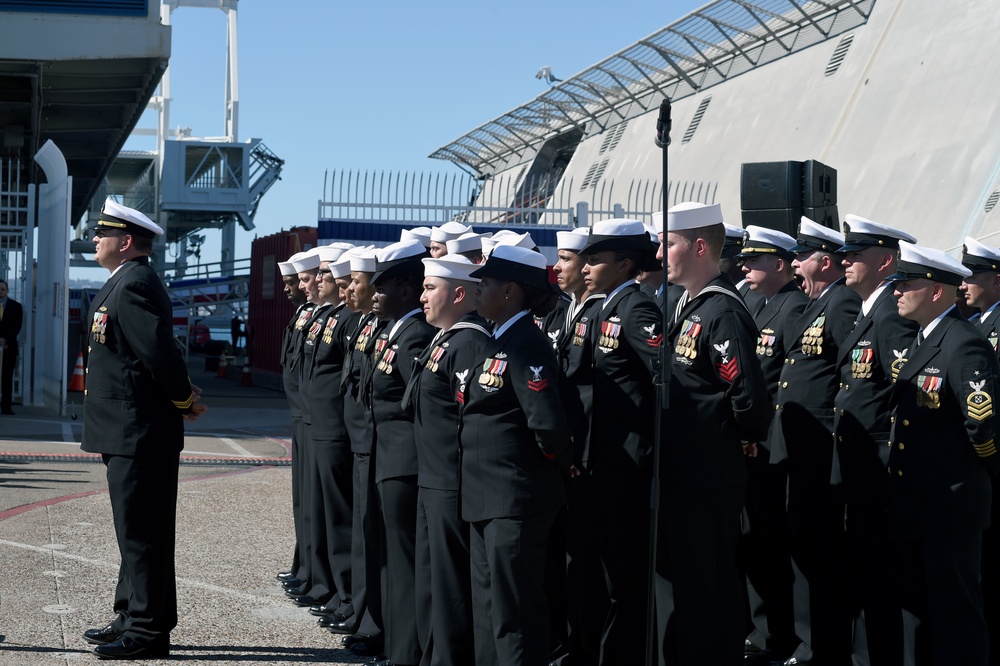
column 246, row 380
column 78, row 381
column 222, row 365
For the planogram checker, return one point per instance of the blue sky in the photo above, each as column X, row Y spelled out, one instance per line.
column 330, row 85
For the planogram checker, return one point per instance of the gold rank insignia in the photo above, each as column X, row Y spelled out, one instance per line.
column 979, row 402
column 862, row 362
column 99, row 326
column 491, row 378
column 812, row 339
column 765, row 342
column 686, row 341
column 331, row 324
column 580, row 332
column 929, row 393
column 435, row 358
column 300, row 321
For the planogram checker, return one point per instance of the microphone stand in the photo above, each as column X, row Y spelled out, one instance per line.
column 662, row 383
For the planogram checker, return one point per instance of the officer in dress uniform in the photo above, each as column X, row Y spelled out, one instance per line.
column 444, row 584
column 867, row 361
column 803, row 435
column 290, row 282
column 574, row 568
column 982, row 290
column 331, row 463
column 138, row 395
column 625, row 334
column 942, row 452
column 398, row 281
column 364, row 630
column 441, row 235
column 514, row 442
column 729, row 264
column 766, row 257
column 718, row 400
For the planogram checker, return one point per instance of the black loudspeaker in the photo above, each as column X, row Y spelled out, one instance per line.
column 779, row 219
column 819, row 184
column 771, row 185
column 825, row 215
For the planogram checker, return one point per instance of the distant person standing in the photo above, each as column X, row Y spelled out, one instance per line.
column 236, row 329
column 138, row 396
column 11, row 316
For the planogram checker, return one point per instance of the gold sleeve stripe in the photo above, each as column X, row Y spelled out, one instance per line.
column 184, row 404
column 986, row 449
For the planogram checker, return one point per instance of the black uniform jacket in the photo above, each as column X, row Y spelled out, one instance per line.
column 361, row 339
column 575, row 349
column 942, row 448
column 435, row 392
column 392, row 364
column 513, row 431
column 552, row 323
column 291, row 352
column 137, row 383
column 869, row 360
column 626, row 334
column 809, row 379
column 326, row 348
column 718, row 397
column 773, row 320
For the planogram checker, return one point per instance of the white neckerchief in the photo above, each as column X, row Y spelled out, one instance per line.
column 866, row 305
column 399, row 322
column 500, row 330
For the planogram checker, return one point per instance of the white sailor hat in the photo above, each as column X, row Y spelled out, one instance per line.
column 333, row 251
column 341, row 268
column 658, row 222
column 467, row 242
column 813, row 236
column 287, row 268
column 450, row 267
column 516, row 264
column 448, row 231
column 980, row 258
column 624, row 236
column 654, row 235
column 759, row 241
column 693, row 215
column 422, row 234
column 574, row 240
column 116, row 216
column 398, row 258
column 860, row 233
column 507, row 237
column 364, row 262
column 306, row 261
column 918, row 262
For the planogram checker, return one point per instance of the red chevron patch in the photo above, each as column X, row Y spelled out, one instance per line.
column 538, row 386
column 729, row 371
column 655, row 342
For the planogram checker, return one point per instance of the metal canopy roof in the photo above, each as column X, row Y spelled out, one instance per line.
column 87, row 107
column 722, row 39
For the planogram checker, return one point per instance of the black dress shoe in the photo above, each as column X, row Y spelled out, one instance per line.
column 294, row 584
column 306, row 600
column 794, row 661
column 101, row 636
column 378, row 660
column 285, row 575
column 346, row 627
column 126, row 648
column 320, row 611
column 292, row 592
column 369, row 648
column 355, row 638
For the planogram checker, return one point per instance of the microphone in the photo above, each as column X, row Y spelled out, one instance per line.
column 663, row 125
